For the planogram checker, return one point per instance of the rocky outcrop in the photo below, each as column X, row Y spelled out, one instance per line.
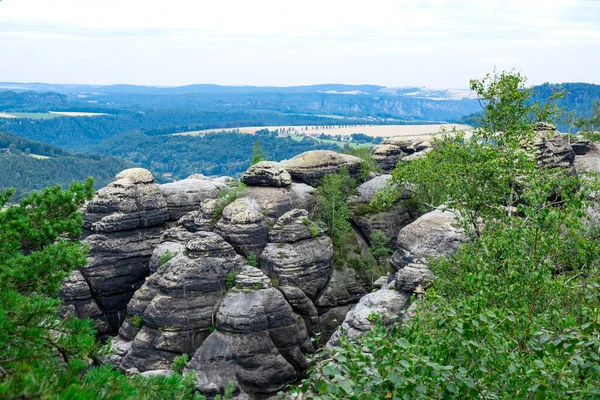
column 311, row 166
column 431, row 235
column 187, row 195
column 387, row 303
column 259, row 342
column 553, row 150
column 176, row 306
column 392, row 150
column 244, row 226
column 267, row 173
column 77, row 301
column 298, row 254
column 275, row 202
column 389, row 221
column 587, row 157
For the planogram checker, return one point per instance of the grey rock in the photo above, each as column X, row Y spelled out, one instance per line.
column 387, row 156
column 552, row 148
column 132, row 201
column 259, row 343
column 177, row 304
column 385, row 303
column 187, row 195
column 309, row 167
column 77, row 301
column 303, row 306
column 582, row 146
column 294, row 226
column 331, row 320
column 117, row 267
column 431, row 235
column 244, row 226
column 277, row 201
column 393, row 150
column 381, row 282
column 306, row 264
column 202, row 219
column 267, row 173
column 343, row 288
column 588, row 162
column 414, row 278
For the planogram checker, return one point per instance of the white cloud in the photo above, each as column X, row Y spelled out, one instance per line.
column 411, row 42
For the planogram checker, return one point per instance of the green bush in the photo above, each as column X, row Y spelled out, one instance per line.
column 515, row 313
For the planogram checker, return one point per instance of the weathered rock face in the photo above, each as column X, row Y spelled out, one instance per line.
column 343, row 288
column 414, row 279
column 117, row 266
column 553, row 151
column 393, row 150
column 78, row 301
column 178, row 303
column 132, row 201
column 244, row 226
column 587, row 158
column 202, row 219
column 388, row 221
column 388, row 304
column 187, row 195
column 302, row 256
column 431, row 235
column 267, row 173
column 259, row 342
column 311, row 166
column 277, row 201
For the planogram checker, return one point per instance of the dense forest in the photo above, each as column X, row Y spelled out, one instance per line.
column 211, row 154
column 30, row 165
column 80, row 133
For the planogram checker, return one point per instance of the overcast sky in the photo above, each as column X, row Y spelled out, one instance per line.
column 434, row 43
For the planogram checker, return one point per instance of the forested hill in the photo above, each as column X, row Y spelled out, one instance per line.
column 578, row 98
column 211, row 154
column 80, row 133
column 28, row 165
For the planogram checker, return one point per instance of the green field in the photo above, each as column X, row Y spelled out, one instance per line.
column 36, row 115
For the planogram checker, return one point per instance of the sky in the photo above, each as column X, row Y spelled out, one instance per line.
column 432, row 43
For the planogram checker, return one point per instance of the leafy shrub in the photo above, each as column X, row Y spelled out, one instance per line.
column 230, row 279
column 515, row 313
column 228, row 196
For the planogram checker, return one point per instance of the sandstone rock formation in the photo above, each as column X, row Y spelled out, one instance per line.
column 187, row 195
column 267, row 173
column 431, row 235
column 122, row 225
column 244, row 226
column 298, row 254
column 259, row 342
column 311, row 166
column 393, row 150
column 276, row 201
column 553, row 151
column 177, row 303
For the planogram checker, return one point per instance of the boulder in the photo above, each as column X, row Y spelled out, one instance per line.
column 187, row 195
column 244, row 226
column 553, row 150
column 331, row 320
column 202, row 219
column 589, row 161
column 311, row 166
column 393, row 150
column 387, row 304
column 431, row 235
column 267, row 173
column 277, row 201
column 299, row 255
column 414, row 278
column 132, row 201
column 259, row 342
